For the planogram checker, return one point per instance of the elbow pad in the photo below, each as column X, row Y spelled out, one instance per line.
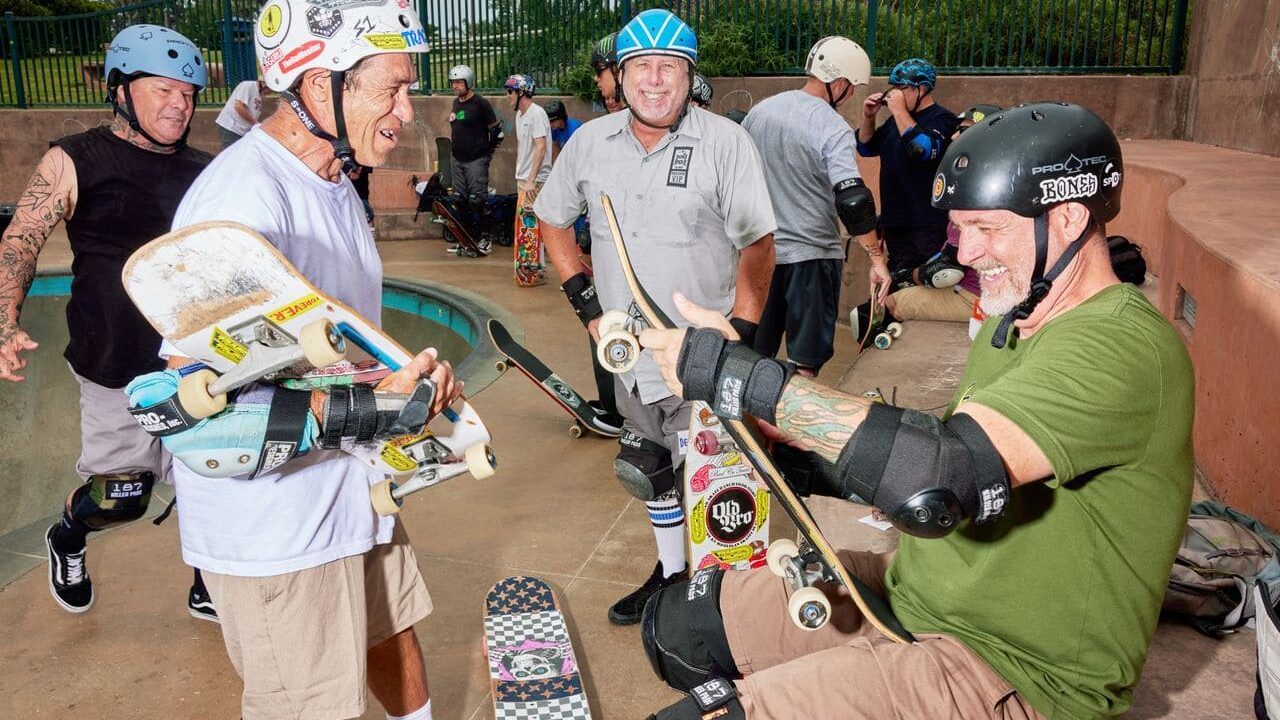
column 496, row 136
column 922, row 146
column 856, row 206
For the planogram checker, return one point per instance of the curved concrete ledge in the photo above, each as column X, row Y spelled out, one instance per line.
column 1209, row 224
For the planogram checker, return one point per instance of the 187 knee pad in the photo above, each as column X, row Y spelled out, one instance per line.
column 715, row 698
column 683, row 632
column 644, row 467
column 108, row 500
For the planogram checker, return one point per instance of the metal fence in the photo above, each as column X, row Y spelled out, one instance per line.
column 57, row 61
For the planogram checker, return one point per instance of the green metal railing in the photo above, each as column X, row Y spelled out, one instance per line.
column 57, row 61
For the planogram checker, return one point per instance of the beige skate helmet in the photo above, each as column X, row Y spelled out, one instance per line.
column 834, row 57
column 293, row 36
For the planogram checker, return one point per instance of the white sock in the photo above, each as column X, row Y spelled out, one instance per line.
column 667, row 517
column 422, row 713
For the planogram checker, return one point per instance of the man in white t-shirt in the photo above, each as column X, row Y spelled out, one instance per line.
column 241, row 112
column 317, row 593
column 533, row 165
column 809, row 163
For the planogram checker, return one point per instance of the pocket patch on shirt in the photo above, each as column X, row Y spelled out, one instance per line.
column 678, row 173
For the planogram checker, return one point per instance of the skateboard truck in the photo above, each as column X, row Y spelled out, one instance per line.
column 808, row 607
column 618, row 349
column 388, row 496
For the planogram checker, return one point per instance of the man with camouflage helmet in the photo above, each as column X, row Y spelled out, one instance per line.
column 476, row 132
column 604, row 61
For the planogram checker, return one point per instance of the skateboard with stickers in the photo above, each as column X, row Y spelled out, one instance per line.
column 813, row 560
column 533, row 670
column 726, row 504
column 225, row 297
column 530, row 266
column 585, row 414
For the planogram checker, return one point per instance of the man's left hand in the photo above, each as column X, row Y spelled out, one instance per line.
column 896, row 101
column 666, row 344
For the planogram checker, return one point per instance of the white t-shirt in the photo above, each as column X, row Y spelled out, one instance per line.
column 530, row 124
column 316, row 508
column 247, row 93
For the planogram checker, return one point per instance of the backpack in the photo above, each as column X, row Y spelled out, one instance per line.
column 1266, row 701
column 1223, row 553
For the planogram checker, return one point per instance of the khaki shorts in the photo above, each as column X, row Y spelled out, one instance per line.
column 299, row 640
column 847, row 669
column 111, row 441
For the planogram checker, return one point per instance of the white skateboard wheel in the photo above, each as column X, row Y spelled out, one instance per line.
column 384, row 503
column 809, row 607
column 779, row 555
column 883, row 341
column 193, row 395
column 481, row 462
column 500, row 366
column 894, row 329
column 618, row 351
column 575, row 431
column 322, row 344
column 614, row 320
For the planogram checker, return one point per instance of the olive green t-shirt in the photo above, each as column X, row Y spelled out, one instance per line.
column 1061, row 594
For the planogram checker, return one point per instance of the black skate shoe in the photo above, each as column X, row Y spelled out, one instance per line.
column 628, row 610
column 200, row 606
column 68, row 576
column 609, row 422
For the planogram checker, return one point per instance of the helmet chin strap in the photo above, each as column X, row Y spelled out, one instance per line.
column 131, row 116
column 834, row 101
column 341, row 147
column 1040, row 284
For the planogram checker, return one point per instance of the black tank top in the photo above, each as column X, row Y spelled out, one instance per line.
column 126, row 197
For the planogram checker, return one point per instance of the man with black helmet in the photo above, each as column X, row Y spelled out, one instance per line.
column 1039, row 515
column 604, row 60
column 116, row 188
column 476, row 132
column 562, row 126
column 689, row 192
column 702, row 91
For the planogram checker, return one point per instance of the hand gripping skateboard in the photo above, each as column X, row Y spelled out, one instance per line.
column 814, row 560
column 224, row 296
column 532, row 668
column 584, row 414
column 724, row 500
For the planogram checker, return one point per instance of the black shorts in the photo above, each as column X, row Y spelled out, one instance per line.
column 804, row 298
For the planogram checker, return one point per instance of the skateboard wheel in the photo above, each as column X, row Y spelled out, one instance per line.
column 809, row 607
column 706, row 443
column 500, row 366
column 618, row 351
column 575, row 431
column 894, row 329
column 193, row 395
column 884, row 340
column 384, row 502
column 481, row 462
column 322, row 344
column 779, row 555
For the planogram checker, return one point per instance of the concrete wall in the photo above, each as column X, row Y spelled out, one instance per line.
column 1234, row 56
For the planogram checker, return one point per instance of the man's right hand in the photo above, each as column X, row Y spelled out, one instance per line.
column 871, row 106
column 13, row 341
column 593, row 327
column 880, row 278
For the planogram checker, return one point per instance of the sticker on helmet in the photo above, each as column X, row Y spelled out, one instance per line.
column 323, row 22
column 386, row 41
column 301, row 55
column 938, row 184
column 273, row 25
column 1068, row 188
column 1071, row 164
column 1110, row 176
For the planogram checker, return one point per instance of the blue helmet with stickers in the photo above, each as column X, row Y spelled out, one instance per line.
column 522, row 84
column 657, row 32
column 154, row 50
column 914, row 72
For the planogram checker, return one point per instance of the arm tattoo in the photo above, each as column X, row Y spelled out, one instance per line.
column 42, row 206
column 822, row 419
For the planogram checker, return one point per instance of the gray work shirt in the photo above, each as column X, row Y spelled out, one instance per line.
column 807, row 149
column 686, row 209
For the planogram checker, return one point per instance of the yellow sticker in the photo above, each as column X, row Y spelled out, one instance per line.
column 387, row 41
column 227, row 346
column 288, row 312
column 762, row 507
column 733, row 555
column 698, row 523
column 272, row 21
column 939, row 183
column 395, row 457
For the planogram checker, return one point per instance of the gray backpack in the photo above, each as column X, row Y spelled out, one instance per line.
column 1224, row 552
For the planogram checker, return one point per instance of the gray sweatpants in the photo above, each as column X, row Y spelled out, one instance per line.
column 471, row 180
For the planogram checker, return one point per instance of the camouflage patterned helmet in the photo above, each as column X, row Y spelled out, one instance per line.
column 702, row 91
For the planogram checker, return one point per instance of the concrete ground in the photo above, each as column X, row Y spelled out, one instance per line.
column 553, row 510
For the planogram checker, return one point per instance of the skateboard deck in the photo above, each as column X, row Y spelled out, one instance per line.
column 533, row 671
column 814, row 560
column 724, row 500
column 223, row 295
column 530, row 267
column 584, row 415
column 444, row 161
column 466, row 245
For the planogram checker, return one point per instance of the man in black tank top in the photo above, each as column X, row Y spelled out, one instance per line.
column 116, row 188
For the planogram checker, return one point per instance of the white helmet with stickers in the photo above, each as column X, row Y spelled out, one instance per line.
column 293, row 36
column 835, row 57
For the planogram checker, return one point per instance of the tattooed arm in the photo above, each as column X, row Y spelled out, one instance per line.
column 819, row 418
column 48, row 199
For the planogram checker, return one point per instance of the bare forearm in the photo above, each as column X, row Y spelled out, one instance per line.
column 755, row 271
column 562, row 249
column 820, row 418
column 539, row 151
column 867, row 130
column 243, row 111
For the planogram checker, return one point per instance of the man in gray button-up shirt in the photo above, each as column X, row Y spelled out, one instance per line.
column 691, row 200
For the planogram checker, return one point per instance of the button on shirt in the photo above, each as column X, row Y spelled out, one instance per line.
column 686, row 208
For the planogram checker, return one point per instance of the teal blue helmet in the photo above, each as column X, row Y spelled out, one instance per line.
column 141, row 50
column 914, row 72
column 657, row 32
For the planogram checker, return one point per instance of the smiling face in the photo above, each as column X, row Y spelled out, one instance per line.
column 163, row 107
column 999, row 245
column 375, row 104
column 656, row 87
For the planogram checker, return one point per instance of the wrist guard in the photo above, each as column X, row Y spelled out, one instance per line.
column 362, row 414
column 582, row 296
column 734, row 379
column 745, row 329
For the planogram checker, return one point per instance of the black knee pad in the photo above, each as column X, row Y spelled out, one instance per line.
column 644, row 467
column 683, row 632
column 715, row 698
column 105, row 501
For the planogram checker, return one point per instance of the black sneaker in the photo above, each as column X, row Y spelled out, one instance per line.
column 627, row 611
column 200, row 606
column 68, row 577
column 608, row 422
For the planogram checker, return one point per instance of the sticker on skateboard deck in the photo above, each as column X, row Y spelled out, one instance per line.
column 530, row 266
column 224, row 296
column 584, row 413
column 724, row 500
column 804, row 565
column 533, row 671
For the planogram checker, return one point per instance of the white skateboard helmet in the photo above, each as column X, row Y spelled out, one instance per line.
column 293, row 36
column 835, row 57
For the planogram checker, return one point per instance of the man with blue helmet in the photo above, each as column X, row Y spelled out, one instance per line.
column 116, row 188
column 910, row 146
column 689, row 191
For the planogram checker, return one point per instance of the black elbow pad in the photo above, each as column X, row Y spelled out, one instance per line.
column 856, row 206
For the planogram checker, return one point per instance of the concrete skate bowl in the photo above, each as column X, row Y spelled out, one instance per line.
column 41, row 442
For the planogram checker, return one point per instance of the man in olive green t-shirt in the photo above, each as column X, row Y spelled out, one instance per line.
column 1040, row 516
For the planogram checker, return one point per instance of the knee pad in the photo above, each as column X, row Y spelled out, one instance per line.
column 715, row 698
column 105, row 501
column 683, row 632
column 644, row 467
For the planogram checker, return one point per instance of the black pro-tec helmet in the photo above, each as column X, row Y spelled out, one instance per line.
column 1026, row 160
column 555, row 111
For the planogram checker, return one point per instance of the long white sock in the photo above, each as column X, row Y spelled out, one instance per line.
column 422, row 713
column 667, row 517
